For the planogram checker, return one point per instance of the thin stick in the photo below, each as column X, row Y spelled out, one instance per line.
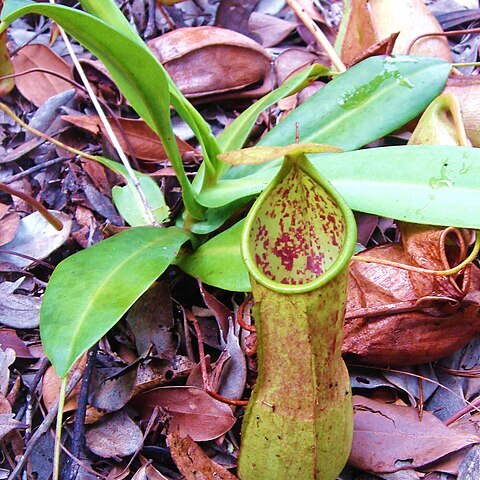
column 78, row 437
column 44, row 426
column 34, row 169
column 411, row 268
column 318, row 34
column 108, row 128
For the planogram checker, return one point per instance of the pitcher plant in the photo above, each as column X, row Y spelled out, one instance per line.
column 297, row 243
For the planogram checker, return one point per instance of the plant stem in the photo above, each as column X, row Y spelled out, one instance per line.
column 58, row 429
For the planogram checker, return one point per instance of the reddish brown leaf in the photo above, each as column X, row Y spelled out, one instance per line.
column 271, row 30
column 38, row 87
column 397, row 317
column 10, row 339
column 9, row 223
column 359, row 34
column 144, row 141
column 193, row 412
column 388, row 438
column 209, row 63
column 192, row 461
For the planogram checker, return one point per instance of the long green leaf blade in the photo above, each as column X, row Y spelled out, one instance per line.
column 366, row 102
column 90, row 291
column 138, row 74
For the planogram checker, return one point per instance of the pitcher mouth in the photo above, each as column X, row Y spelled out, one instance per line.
column 300, row 233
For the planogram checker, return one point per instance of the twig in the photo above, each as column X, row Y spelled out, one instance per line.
column 78, row 426
column 31, row 395
column 34, row 169
column 44, row 426
column 318, row 34
column 201, row 350
column 108, row 128
column 241, row 312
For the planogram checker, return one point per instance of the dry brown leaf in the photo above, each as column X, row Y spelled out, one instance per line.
column 38, row 87
column 9, row 223
column 388, row 438
column 116, row 435
column 373, row 25
column 51, row 387
column 359, row 32
column 193, row 412
column 411, row 18
column 397, row 317
column 10, row 339
column 214, row 63
column 144, row 141
column 271, row 30
column 193, row 462
column 151, row 321
column 467, row 90
column 8, row 424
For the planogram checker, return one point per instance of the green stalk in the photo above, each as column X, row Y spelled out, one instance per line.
column 297, row 242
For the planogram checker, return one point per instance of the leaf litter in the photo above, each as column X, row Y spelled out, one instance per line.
column 141, row 395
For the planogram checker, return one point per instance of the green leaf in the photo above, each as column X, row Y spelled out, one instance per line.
column 128, row 202
column 219, row 262
column 235, row 135
column 138, row 74
column 90, row 291
column 433, row 185
column 367, row 102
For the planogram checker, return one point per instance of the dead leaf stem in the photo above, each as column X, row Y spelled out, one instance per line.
column 452, row 33
column 411, row 268
column 318, row 34
column 49, row 217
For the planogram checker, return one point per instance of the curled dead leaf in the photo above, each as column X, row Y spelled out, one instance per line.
column 372, row 25
column 398, row 317
column 208, row 63
column 390, row 16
